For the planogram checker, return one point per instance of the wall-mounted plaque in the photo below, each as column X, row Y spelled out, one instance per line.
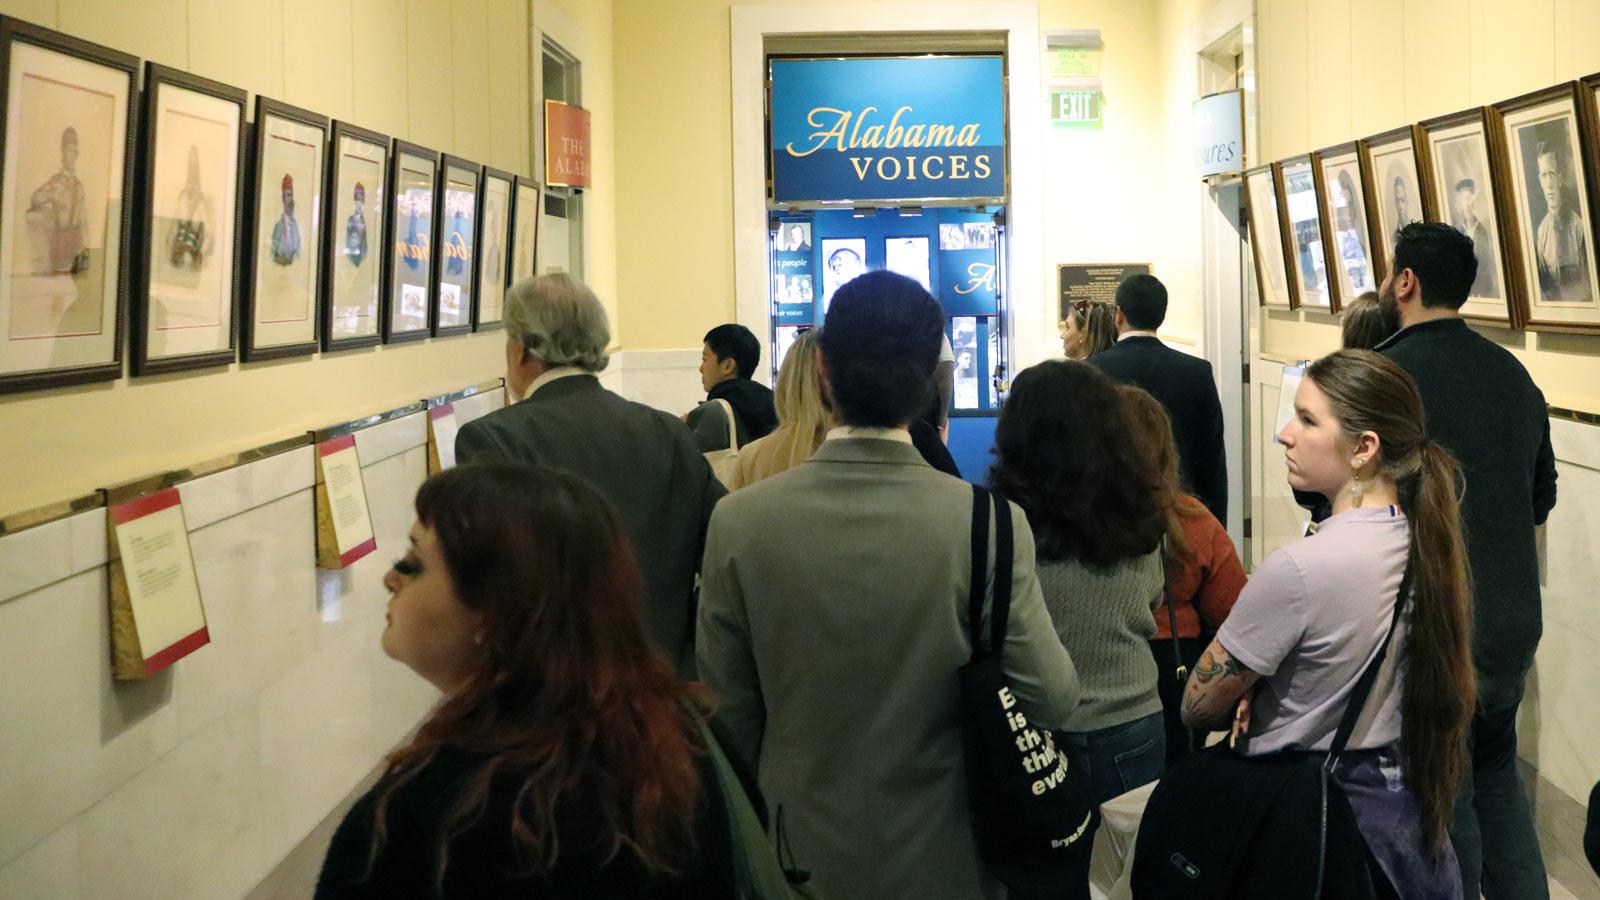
column 156, row 614
column 344, row 524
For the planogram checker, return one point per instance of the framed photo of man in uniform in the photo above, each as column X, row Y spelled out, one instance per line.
column 1550, row 156
column 414, row 177
column 283, row 270
column 1470, row 194
column 1266, row 238
column 1347, row 234
column 67, row 119
column 355, row 235
column 1398, row 187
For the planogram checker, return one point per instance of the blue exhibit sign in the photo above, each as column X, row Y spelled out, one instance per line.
column 888, row 129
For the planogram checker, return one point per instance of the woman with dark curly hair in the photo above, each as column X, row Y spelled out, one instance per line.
column 1077, row 462
column 565, row 759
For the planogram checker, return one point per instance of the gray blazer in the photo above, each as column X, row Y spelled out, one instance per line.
column 643, row 460
column 832, row 625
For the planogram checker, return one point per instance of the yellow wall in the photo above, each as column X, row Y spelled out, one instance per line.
column 1333, row 70
column 451, row 74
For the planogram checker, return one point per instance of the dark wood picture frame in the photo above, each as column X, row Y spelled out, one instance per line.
column 1291, row 247
column 1420, row 163
column 507, row 243
column 331, row 233
column 1257, row 251
column 248, row 352
column 1332, row 250
column 155, row 76
column 1586, row 160
column 1291, row 266
column 1436, row 208
column 517, row 212
column 12, row 32
column 391, row 216
column 447, row 163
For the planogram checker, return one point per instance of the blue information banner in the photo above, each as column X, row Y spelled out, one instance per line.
column 793, row 286
column 888, row 129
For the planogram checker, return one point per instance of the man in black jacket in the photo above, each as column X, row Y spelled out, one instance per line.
column 1181, row 382
column 1482, row 406
column 727, row 366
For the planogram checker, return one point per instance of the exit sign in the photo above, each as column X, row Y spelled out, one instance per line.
column 1075, row 109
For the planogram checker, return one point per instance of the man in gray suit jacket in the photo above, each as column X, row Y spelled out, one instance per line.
column 643, row 460
column 833, row 623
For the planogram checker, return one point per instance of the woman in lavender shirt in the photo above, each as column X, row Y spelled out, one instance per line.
column 1283, row 666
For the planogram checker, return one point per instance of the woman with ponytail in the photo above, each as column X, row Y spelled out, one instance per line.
column 1285, row 663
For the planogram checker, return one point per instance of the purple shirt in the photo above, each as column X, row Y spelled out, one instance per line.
column 1309, row 621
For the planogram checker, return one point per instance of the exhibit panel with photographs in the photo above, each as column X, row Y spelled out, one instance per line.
column 793, row 281
column 414, row 176
column 1347, row 237
column 1552, row 184
column 1266, row 238
column 1464, row 195
column 968, row 370
column 1397, row 185
column 458, row 235
column 185, row 305
column 494, row 242
column 524, row 228
column 65, row 205
column 908, row 256
column 1305, row 232
column 353, row 246
column 842, row 260
column 969, row 264
column 284, row 271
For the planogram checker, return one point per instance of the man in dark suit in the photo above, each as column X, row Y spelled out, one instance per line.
column 1181, row 382
column 642, row 459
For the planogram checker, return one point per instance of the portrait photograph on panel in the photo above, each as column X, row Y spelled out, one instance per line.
column 1345, row 224
column 414, row 174
column 66, row 198
column 283, row 267
column 842, row 260
column 458, row 236
column 352, row 247
column 794, row 237
column 1552, row 182
column 964, row 342
column 1464, row 187
column 1266, row 238
column 186, row 304
column 525, row 228
column 1397, row 183
column 952, row 236
column 1305, row 232
column 909, row 257
column 494, row 243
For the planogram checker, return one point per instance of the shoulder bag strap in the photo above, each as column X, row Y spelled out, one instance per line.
column 733, row 431
column 980, row 567
column 1000, row 614
column 1363, row 688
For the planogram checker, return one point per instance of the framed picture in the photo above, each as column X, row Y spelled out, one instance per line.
column 414, row 179
column 354, row 238
column 1399, row 187
column 186, row 300
column 908, row 256
column 1297, row 178
column 494, row 248
column 1469, row 195
column 456, row 263
column 1552, row 166
column 1347, row 233
column 1266, row 238
column 283, row 270
column 525, row 197
column 842, row 260
column 67, row 117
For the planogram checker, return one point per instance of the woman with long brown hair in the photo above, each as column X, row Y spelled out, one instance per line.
column 1317, row 611
column 565, row 758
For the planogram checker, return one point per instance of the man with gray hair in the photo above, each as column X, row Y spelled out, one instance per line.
column 643, row 460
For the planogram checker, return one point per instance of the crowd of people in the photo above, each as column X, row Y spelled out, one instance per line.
column 629, row 649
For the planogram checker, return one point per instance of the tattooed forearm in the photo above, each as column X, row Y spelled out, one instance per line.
column 1216, row 685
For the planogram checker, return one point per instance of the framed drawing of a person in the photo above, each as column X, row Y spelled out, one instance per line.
column 1266, row 238
column 354, row 237
column 494, row 248
column 414, row 177
column 1398, row 187
column 67, row 117
column 1347, row 234
column 525, row 210
column 283, row 268
column 1470, row 195
column 455, row 269
column 1551, row 163
column 1299, row 190
column 186, row 300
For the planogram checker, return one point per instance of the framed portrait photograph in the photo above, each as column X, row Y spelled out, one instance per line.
column 283, row 269
column 1297, row 179
column 414, row 180
column 1398, row 186
column 456, row 266
column 67, row 119
column 1551, row 160
column 909, row 257
column 494, row 248
column 525, row 200
column 1266, row 238
column 793, row 237
column 354, row 237
column 842, row 260
column 1347, row 234
column 1468, row 195
column 186, row 300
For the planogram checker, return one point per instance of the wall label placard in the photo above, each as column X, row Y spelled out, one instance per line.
column 1095, row 282
column 442, row 430
column 344, row 524
column 156, row 614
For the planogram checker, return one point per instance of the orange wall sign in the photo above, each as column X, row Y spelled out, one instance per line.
column 566, row 145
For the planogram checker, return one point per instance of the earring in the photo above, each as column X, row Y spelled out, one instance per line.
column 1357, row 486
column 478, row 639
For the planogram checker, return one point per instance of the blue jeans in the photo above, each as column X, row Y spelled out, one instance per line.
column 1120, row 758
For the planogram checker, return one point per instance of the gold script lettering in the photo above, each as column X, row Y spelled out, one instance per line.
column 982, row 276
column 844, row 130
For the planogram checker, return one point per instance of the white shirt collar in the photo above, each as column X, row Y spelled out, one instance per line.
column 879, row 434
column 1129, row 334
column 550, row 375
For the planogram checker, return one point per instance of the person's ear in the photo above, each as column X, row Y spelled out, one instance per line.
column 1367, row 450
column 727, row 368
